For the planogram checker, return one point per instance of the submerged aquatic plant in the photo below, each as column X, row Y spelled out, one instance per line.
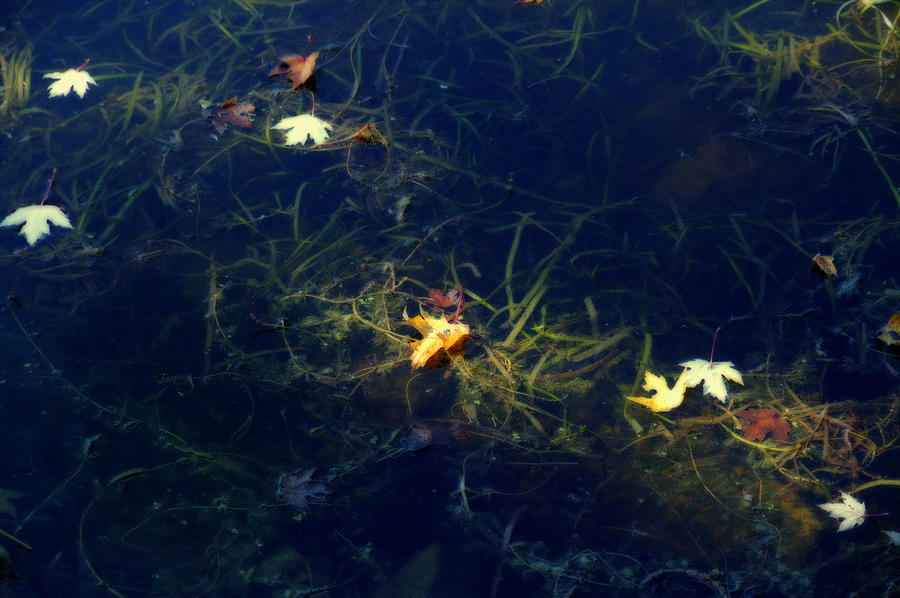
column 15, row 71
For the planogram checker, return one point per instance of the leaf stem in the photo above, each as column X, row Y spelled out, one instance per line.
column 713, row 348
column 50, row 186
column 458, row 305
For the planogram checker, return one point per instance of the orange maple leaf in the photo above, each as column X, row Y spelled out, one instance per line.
column 232, row 113
column 296, row 68
column 439, row 338
column 825, row 264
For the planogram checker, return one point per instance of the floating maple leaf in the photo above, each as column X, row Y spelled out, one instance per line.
column 36, row 220
column 765, row 422
column 296, row 68
column 665, row 398
column 232, row 113
column 75, row 80
column 439, row 337
column 850, row 511
column 713, row 376
column 299, row 129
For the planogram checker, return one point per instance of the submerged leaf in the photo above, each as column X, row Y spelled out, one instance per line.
column 297, row 488
column 765, row 422
column 233, row 113
column 36, row 220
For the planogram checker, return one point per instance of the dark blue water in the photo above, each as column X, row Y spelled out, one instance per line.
column 205, row 382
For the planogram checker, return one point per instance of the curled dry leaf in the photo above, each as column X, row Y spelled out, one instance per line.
column 232, row 113
column 765, row 422
column 296, row 69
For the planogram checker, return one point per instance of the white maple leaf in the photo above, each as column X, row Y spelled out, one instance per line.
column 664, row 398
column 36, row 220
column 850, row 511
column 70, row 80
column 713, row 375
column 299, row 129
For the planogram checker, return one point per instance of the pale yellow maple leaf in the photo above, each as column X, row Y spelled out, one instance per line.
column 713, row 375
column 664, row 398
column 299, row 129
column 71, row 80
column 36, row 220
column 850, row 511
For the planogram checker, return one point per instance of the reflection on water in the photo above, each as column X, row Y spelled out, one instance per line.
column 279, row 207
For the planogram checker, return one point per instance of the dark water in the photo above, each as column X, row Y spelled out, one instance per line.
column 206, row 381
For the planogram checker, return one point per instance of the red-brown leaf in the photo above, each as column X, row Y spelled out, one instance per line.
column 440, row 300
column 765, row 422
column 232, row 113
column 296, row 68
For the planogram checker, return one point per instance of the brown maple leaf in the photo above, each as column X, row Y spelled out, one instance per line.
column 296, row 69
column 765, row 422
column 440, row 300
column 825, row 265
column 232, row 113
